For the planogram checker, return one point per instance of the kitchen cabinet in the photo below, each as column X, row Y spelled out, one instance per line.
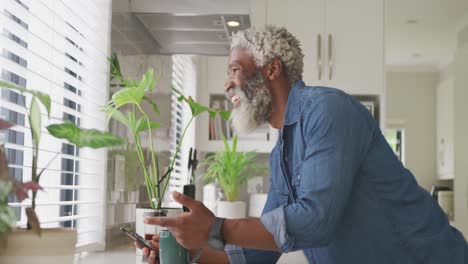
column 343, row 41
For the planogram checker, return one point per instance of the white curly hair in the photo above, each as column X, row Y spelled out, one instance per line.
column 272, row 42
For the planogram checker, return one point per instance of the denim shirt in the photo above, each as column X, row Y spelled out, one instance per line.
column 340, row 194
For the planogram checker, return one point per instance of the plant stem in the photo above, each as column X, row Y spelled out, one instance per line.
column 153, row 158
column 149, row 184
column 175, row 154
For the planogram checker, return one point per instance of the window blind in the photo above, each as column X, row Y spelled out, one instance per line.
column 184, row 79
column 74, row 182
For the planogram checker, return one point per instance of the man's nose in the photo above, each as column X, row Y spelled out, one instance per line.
column 228, row 85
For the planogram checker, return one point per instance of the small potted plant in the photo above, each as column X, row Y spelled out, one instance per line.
column 33, row 241
column 126, row 106
column 230, row 170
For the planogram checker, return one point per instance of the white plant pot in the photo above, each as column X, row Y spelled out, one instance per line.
column 141, row 228
column 231, row 210
column 55, row 246
column 256, row 204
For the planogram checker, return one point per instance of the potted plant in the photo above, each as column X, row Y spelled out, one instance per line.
column 54, row 245
column 230, row 170
column 125, row 106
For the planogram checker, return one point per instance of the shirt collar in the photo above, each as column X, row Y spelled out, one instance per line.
column 293, row 106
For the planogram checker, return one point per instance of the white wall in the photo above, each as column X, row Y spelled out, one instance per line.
column 461, row 141
column 411, row 104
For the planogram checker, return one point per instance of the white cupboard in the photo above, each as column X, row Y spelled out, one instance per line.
column 343, row 41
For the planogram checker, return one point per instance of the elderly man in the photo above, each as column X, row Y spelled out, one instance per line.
column 337, row 190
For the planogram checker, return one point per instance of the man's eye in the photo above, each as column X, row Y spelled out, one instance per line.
column 235, row 69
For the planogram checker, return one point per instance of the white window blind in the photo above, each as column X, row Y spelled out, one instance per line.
column 74, row 182
column 184, row 79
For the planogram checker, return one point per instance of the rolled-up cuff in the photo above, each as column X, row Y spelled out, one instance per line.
column 275, row 222
column 235, row 254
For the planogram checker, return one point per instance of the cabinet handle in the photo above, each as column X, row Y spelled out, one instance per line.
column 330, row 56
column 319, row 56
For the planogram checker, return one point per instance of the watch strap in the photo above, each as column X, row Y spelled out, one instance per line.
column 215, row 237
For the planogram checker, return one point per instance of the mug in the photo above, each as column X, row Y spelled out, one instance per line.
column 170, row 252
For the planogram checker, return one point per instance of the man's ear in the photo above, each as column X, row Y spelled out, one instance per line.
column 274, row 69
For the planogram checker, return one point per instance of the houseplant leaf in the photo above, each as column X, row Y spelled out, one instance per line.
column 35, row 121
column 153, row 104
column 143, row 125
column 43, row 98
column 84, row 137
column 115, row 71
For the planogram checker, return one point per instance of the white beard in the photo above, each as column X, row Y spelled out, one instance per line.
column 254, row 109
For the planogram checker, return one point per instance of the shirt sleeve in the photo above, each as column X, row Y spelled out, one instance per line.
column 336, row 133
column 238, row 255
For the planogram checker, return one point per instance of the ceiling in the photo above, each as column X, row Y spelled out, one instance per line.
column 422, row 33
column 176, row 27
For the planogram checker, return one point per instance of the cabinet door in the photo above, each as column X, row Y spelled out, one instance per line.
column 305, row 20
column 355, row 36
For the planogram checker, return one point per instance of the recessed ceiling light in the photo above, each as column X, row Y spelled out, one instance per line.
column 412, row 21
column 233, row 23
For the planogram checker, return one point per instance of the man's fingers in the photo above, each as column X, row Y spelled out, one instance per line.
column 184, row 200
column 161, row 221
column 137, row 245
column 146, row 251
column 152, row 257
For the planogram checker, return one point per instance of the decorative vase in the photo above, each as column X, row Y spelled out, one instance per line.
column 231, row 210
column 54, row 246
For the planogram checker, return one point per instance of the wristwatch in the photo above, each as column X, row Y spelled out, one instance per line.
column 215, row 237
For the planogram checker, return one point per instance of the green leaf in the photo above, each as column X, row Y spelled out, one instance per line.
column 142, row 125
column 153, row 104
column 35, row 121
column 119, row 116
column 5, row 189
column 115, row 71
column 84, row 137
column 224, row 114
column 147, row 82
column 43, row 98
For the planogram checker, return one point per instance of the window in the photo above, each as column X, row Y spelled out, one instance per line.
column 22, row 4
column 12, row 116
column 13, row 97
column 71, row 118
column 14, row 156
column 17, row 174
column 15, row 58
column 15, row 38
column 14, row 137
column 74, row 44
column 72, row 73
column 183, row 68
column 16, row 19
column 70, row 149
column 69, row 178
column 71, row 88
column 395, row 138
column 73, row 59
column 71, row 104
column 14, row 78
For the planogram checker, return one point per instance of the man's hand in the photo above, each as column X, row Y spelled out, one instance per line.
column 191, row 229
column 152, row 256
